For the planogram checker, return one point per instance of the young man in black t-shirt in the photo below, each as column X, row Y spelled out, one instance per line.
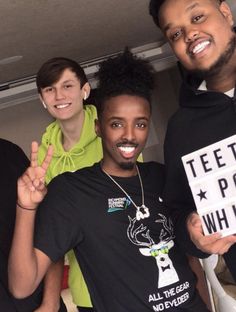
column 112, row 213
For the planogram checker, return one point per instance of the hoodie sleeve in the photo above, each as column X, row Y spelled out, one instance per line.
column 177, row 193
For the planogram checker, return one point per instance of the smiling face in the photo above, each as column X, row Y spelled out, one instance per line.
column 199, row 32
column 64, row 98
column 123, row 127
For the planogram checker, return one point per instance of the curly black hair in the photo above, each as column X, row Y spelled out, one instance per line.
column 124, row 74
column 154, row 7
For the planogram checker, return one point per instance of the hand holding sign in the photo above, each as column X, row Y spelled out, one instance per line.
column 212, row 244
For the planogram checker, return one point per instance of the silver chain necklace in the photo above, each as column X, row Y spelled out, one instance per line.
column 142, row 211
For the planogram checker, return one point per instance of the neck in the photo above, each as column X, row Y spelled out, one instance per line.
column 118, row 171
column 225, row 80
column 71, row 130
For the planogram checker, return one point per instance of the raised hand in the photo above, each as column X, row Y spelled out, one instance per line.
column 31, row 187
column 212, row 244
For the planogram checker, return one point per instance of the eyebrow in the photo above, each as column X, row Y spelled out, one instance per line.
column 122, row 118
column 188, row 9
column 69, row 80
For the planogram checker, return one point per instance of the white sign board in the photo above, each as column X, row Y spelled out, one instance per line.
column 211, row 173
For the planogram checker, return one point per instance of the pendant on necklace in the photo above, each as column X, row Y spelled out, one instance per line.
column 142, row 212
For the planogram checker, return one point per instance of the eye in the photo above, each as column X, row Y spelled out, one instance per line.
column 116, row 124
column 175, row 35
column 198, row 18
column 67, row 86
column 141, row 125
column 48, row 89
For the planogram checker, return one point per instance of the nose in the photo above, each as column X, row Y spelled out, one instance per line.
column 129, row 133
column 191, row 34
column 59, row 94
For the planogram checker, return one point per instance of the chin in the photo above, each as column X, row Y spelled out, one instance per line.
column 215, row 68
column 127, row 165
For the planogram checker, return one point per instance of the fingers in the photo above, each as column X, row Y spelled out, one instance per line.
column 47, row 159
column 34, row 154
column 221, row 246
column 31, row 180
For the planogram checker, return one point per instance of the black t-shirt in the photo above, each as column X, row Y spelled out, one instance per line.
column 129, row 265
column 13, row 163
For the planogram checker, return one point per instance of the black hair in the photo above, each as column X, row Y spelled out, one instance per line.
column 154, row 8
column 51, row 71
column 124, row 74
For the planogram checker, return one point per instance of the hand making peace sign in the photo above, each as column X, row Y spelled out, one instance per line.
column 31, row 187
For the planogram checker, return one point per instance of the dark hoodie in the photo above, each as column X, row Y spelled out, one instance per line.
column 204, row 118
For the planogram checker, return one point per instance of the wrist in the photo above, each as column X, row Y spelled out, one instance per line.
column 25, row 207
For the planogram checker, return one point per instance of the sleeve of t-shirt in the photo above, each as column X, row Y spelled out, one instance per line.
column 57, row 227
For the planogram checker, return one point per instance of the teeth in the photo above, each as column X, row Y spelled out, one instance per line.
column 61, row 105
column 127, row 149
column 200, row 47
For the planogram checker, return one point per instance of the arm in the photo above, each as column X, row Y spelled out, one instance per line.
column 28, row 265
column 52, row 288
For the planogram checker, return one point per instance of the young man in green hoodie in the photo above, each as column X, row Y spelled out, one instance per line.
column 62, row 87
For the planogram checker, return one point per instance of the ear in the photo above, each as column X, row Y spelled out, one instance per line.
column 226, row 11
column 86, row 90
column 42, row 101
column 97, row 128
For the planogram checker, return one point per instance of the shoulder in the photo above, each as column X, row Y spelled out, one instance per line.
column 7, row 145
column 13, row 155
column 91, row 110
column 152, row 168
column 83, row 174
column 49, row 131
column 7, row 148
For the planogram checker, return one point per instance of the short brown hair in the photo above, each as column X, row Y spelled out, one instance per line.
column 51, row 71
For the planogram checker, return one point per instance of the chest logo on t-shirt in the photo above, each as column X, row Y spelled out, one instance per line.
column 117, row 204
column 139, row 235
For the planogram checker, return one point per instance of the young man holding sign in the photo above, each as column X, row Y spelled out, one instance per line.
column 202, row 37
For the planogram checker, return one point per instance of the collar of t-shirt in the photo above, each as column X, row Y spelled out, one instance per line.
column 203, row 87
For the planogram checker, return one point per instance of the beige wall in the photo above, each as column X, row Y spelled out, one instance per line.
column 26, row 122
column 23, row 123
column 164, row 104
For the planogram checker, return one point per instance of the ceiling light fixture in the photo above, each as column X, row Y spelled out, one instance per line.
column 11, row 59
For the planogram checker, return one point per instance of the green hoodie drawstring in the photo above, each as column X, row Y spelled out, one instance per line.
column 66, row 159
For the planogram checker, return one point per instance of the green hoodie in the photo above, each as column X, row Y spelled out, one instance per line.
column 85, row 153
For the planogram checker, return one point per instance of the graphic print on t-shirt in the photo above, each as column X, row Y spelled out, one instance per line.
column 116, row 204
column 139, row 235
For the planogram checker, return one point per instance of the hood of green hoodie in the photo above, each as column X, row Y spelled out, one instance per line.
column 85, row 152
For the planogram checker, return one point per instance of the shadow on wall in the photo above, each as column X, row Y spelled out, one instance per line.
column 164, row 104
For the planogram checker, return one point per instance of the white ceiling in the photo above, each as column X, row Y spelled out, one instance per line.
column 79, row 29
